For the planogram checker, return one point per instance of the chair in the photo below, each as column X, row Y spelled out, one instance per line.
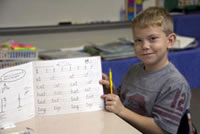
column 186, row 126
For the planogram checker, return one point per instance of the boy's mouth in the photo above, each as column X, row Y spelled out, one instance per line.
column 147, row 54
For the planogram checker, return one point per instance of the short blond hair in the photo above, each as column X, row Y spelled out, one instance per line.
column 154, row 16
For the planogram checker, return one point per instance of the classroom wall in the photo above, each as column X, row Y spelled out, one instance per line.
column 17, row 13
column 50, row 12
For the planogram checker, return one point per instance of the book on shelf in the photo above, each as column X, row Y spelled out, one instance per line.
column 51, row 87
column 113, row 50
column 61, row 54
column 184, row 42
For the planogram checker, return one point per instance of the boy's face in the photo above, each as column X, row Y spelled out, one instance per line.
column 151, row 46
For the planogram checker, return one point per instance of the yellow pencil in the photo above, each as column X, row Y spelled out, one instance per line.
column 111, row 83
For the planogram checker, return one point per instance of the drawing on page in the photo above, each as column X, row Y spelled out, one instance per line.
column 13, row 94
column 19, row 101
column 11, row 76
column 4, row 88
column 3, row 105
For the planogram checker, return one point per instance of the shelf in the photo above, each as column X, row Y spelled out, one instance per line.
column 63, row 28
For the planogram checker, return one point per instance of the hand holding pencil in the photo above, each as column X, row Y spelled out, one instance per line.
column 112, row 101
column 107, row 83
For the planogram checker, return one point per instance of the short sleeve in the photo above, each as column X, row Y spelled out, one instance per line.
column 170, row 106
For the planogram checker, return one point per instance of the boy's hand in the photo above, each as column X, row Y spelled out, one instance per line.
column 105, row 82
column 113, row 103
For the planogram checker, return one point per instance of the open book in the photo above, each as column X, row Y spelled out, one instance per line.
column 184, row 42
column 49, row 88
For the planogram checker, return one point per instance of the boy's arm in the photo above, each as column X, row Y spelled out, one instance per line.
column 113, row 104
column 144, row 124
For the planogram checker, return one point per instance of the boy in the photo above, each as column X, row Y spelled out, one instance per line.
column 153, row 95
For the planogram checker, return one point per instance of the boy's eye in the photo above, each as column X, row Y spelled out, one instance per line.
column 153, row 38
column 138, row 41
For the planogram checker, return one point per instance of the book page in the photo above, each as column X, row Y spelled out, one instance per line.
column 68, row 85
column 16, row 94
column 182, row 42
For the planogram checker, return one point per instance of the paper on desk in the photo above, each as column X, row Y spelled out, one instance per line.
column 50, row 88
column 68, row 86
column 16, row 94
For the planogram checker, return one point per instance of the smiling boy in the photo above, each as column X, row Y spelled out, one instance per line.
column 153, row 94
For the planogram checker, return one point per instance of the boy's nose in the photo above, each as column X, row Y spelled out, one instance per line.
column 145, row 45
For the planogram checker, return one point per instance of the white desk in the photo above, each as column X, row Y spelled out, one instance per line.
column 100, row 122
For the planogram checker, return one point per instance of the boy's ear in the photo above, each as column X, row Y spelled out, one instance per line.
column 171, row 40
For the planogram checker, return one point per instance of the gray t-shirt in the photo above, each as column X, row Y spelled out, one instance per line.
column 163, row 94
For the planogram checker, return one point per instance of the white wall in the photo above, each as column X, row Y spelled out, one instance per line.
column 50, row 12
column 16, row 13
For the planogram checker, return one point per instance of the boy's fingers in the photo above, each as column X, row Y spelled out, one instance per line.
column 108, row 97
column 104, row 82
column 104, row 76
column 109, row 103
column 109, row 108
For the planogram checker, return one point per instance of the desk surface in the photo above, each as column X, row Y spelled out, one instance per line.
column 99, row 122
